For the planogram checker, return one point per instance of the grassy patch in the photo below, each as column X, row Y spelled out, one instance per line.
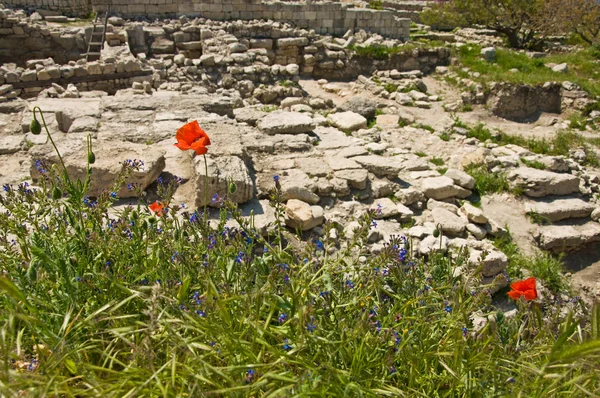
column 390, row 87
column 420, row 154
column 487, row 182
column 545, row 266
column 534, row 164
column 437, row 161
column 583, row 67
column 559, row 145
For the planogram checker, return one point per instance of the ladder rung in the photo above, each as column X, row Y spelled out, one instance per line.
column 92, row 43
column 93, row 53
column 97, row 33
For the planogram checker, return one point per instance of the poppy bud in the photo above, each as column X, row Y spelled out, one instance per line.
column 436, row 233
column 56, row 193
column 91, row 158
column 144, row 224
column 35, row 127
column 152, row 220
column 232, row 188
column 134, row 215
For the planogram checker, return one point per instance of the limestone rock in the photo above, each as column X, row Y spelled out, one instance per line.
column 431, row 244
column 492, row 262
column 109, row 158
column 440, row 188
column 474, row 214
column 348, row 121
column 449, row 222
column 540, row 183
column 296, row 184
column 361, row 105
column 461, row 178
column 302, row 216
column 221, row 171
column 248, row 115
column 560, row 209
column 286, row 123
column 560, row 238
column 381, row 166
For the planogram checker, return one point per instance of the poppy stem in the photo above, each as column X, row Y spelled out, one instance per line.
column 205, row 187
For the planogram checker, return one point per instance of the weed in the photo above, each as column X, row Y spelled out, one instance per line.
column 442, row 170
column 534, row 164
column 487, row 182
column 445, row 136
column 437, row 161
column 376, row 4
column 420, row 154
column 390, row 87
column 537, row 218
column 269, row 108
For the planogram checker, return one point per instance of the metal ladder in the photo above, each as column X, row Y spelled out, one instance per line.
column 95, row 46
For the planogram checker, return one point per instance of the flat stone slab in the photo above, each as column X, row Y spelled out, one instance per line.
column 348, row 121
column 286, row 123
column 560, row 209
column 440, row 188
column 562, row 238
column 109, row 158
column 381, row 166
column 539, row 183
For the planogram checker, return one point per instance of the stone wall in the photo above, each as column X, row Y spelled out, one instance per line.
column 323, row 17
column 74, row 8
column 21, row 41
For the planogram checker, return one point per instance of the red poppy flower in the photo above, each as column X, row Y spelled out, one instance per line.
column 191, row 136
column 158, row 208
column 524, row 288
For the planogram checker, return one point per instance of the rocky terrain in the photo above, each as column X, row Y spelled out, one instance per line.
column 340, row 146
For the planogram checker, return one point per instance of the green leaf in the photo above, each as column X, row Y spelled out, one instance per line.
column 71, row 367
column 11, row 290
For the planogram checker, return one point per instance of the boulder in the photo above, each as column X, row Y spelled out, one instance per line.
column 488, row 53
column 361, row 105
column 221, row 171
column 301, row 215
column 448, row 222
column 296, row 184
column 492, row 262
column 440, row 188
column 431, row 244
column 348, row 121
column 474, row 214
column 539, row 183
column 109, row 158
column 461, row 178
column 286, row 123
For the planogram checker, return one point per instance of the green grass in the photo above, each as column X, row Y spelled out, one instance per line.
column 445, row 136
column 437, row 161
column 534, row 164
column 171, row 303
column 421, row 154
column 376, row 4
column 487, row 182
column 390, row 87
column 380, row 52
column 583, row 67
column 545, row 266
column 559, row 145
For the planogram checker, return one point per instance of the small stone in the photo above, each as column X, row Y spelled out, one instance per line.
column 301, row 215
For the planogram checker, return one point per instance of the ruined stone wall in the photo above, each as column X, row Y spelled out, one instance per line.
column 72, row 8
column 323, row 17
column 21, row 40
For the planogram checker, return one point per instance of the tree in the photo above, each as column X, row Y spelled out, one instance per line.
column 516, row 19
column 581, row 17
